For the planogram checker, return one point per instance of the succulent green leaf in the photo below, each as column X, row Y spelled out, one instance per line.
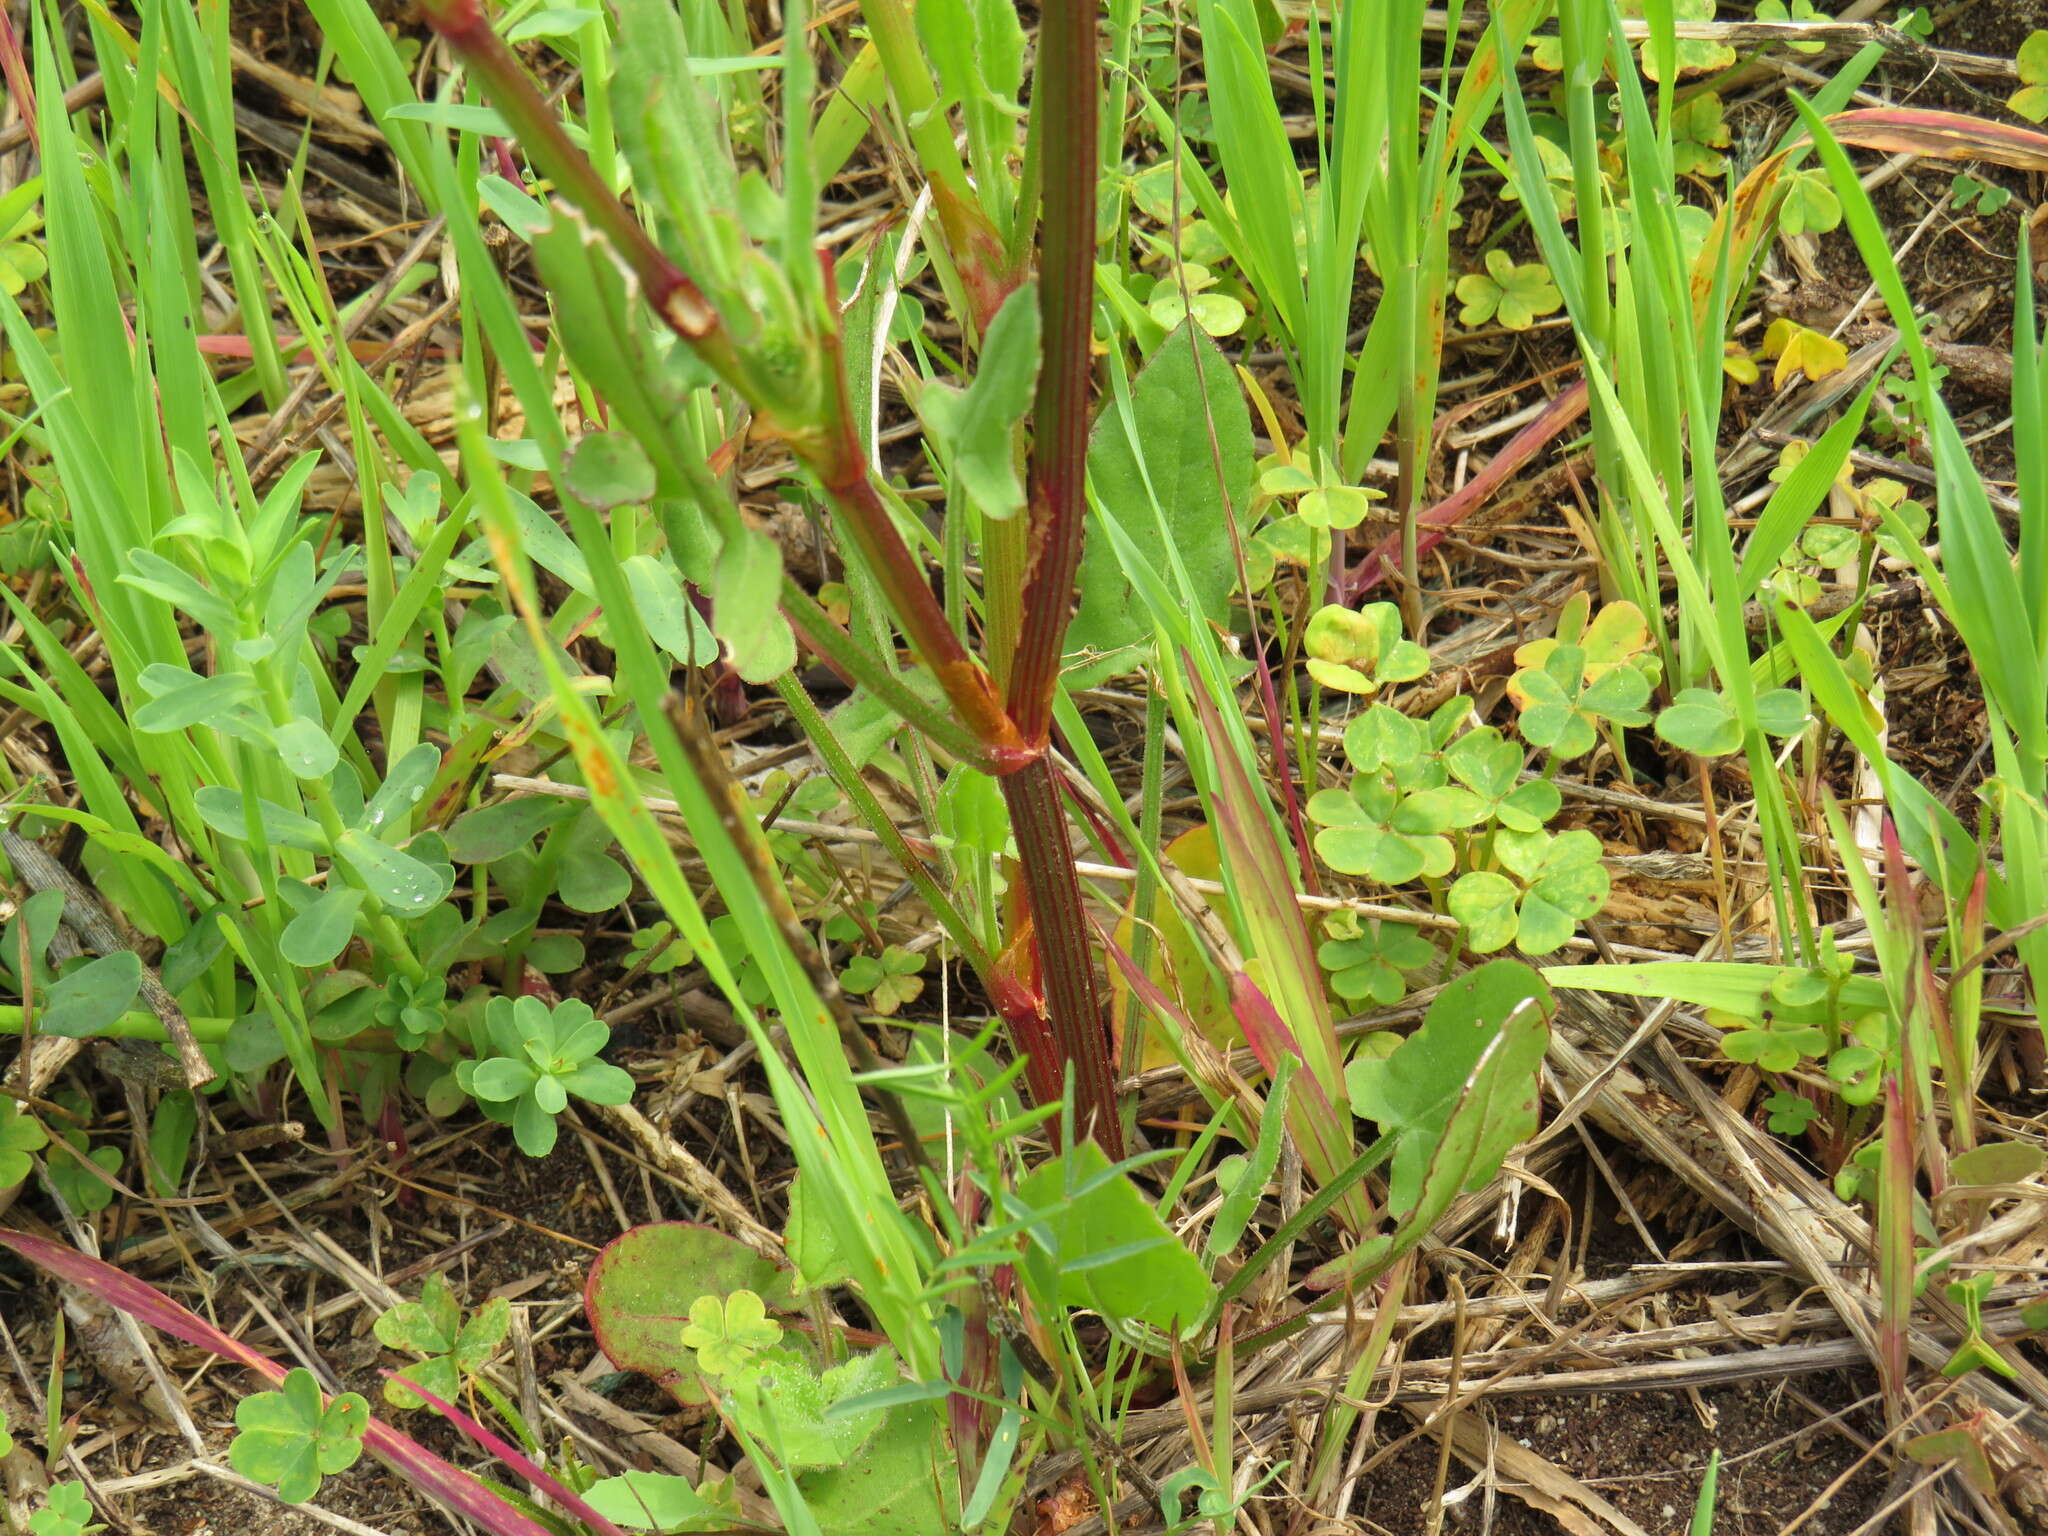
column 83, row 1002
column 321, row 932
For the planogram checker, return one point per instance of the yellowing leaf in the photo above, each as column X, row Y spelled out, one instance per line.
column 2031, row 99
column 1800, row 349
column 1178, row 962
column 1617, row 635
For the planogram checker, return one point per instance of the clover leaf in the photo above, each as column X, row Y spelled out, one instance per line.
column 1359, row 651
column 1176, row 296
column 290, row 1439
column 1389, row 833
column 1790, row 1113
column 659, row 949
column 2031, row 99
column 1366, row 961
column 1810, row 206
column 22, row 257
column 19, row 1136
column 1617, row 636
column 1770, row 1044
column 66, row 1511
column 433, row 1326
column 1901, row 520
column 1514, row 294
column 1559, row 704
column 1695, row 56
column 79, row 1187
column 1322, row 500
column 747, row 971
column 1703, row 722
column 1383, row 737
column 1801, row 349
column 1555, row 166
column 1558, row 882
column 1698, row 135
column 1801, row 10
column 1964, row 190
column 543, row 1055
column 727, row 1332
column 888, row 980
column 1856, row 1071
column 1490, row 765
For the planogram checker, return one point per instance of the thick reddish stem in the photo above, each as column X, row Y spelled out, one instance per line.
column 1067, row 971
column 1065, row 93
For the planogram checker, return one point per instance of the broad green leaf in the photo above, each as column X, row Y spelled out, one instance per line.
column 305, row 748
column 976, row 428
column 1458, row 1095
column 548, row 546
column 172, row 1127
column 1192, row 456
column 88, row 1000
column 397, row 879
column 589, row 881
column 671, row 620
column 1998, row 1162
column 322, row 931
column 746, row 607
column 1731, row 986
column 152, row 573
column 494, row 831
column 610, row 469
column 221, row 809
column 1099, row 1244
column 182, row 698
column 389, row 811
column 891, row 1487
column 1412, row 1093
column 789, row 1405
column 657, row 1501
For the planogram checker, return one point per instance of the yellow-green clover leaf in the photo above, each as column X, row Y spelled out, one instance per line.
column 1361, row 650
column 1515, row 295
column 727, row 1332
column 1801, row 10
column 2031, row 99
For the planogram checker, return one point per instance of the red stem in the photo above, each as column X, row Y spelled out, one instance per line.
column 842, row 467
column 1067, row 971
column 669, row 290
column 1064, row 102
column 1064, row 109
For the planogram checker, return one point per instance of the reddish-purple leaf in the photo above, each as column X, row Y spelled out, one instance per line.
column 1945, row 135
